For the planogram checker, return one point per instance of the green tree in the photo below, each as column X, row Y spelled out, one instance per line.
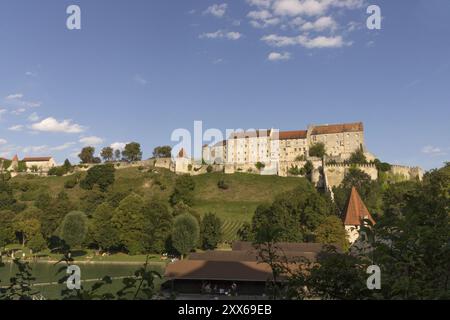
column 74, row 228
column 158, row 225
column 260, row 166
column 87, row 155
column 162, row 152
column 317, row 150
column 183, row 190
column 6, row 196
column 117, row 155
column 129, row 222
column 27, row 223
column 132, row 152
column 358, row 157
column 103, row 231
column 107, row 154
column 102, row 175
column 37, row 243
column 7, row 235
column 185, row 234
column 54, row 214
column 210, row 231
column 331, row 231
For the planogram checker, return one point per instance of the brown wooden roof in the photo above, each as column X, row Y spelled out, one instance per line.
column 218, row 270
column 338, row 128
column 356, row 211
column 288, row 135
column 36, row 159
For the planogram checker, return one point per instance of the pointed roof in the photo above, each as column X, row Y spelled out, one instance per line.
column 356, row 210
column 182, row 153
column 16, row 158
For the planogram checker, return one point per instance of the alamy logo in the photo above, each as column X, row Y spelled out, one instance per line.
column 74, row 20
column 374, row 20
column 74, row 280
column 374, row 280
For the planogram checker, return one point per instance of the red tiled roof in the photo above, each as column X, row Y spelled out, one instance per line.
column 338, row 128
column 356, row 211
column 36, row 159
column 288, row 135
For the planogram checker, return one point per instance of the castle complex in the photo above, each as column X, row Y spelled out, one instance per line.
column 273, row 147
column 287, row 153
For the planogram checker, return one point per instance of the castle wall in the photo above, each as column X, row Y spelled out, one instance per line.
column 335, row 173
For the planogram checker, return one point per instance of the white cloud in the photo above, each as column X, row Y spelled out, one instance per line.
column 30, row 74
column 18, row 127
column 433, row 151
column 220, row 34
column 310, row 43
column 14, row 96
column 62, row 147
column 3, row 141
column 33, row 117
column 323, row 23
column 35, row 149
column 260, row 3
column 91, row 141
column 217, row 10
column 18, row 111
column 262, row 19
column 52, row 125
column 140, row 80
column 2, row 111
column 276, row 56
column 118, row 145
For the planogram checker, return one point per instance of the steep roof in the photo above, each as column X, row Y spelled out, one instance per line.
column 16, row 158
column 356, row 210
column 338, row 128
column 288, row 135
column 182, row 153
column 37, row 159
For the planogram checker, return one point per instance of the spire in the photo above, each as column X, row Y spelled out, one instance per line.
column 16, row 158
column 356, row 210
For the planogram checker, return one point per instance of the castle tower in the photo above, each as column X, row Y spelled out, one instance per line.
column 14, row 164
column 355, row 214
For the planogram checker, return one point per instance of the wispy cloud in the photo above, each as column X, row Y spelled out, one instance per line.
column 217, row 10
column 140, row 80
column 277, row 56
column 310, row 43
column 91, row 141
column 52, row 125
column 221, row 34
column 433, row 151
column 17, row 127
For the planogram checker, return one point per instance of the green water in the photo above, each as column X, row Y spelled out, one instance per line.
column 47, row 272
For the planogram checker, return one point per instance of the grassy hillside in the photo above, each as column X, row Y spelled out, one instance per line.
column 234, row 206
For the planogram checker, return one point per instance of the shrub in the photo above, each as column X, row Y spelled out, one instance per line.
column 222, row 184
column 209, row 168
column 317, row 150
column 102, row 175
column 260, row 165
column 71, row 183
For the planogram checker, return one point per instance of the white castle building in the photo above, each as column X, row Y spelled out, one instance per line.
column 272, row 146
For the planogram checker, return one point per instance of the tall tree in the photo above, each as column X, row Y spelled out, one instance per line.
column 128, row 219
column 185, row 234
column 74, row 228
column 102, row 175
column 87, row 155
column 332, row 231
column 210, row 231
column 158, row 225
column 103, row 231
column 117, row 155
column 132, row 152
column 107, row 154
column 7, row 235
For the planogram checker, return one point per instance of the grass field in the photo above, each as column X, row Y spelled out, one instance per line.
column 234, row 206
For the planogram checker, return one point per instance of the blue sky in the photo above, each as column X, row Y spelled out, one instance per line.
column 139, row 69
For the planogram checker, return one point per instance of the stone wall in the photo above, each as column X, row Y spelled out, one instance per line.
column 335, row 173
column 410, row 173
